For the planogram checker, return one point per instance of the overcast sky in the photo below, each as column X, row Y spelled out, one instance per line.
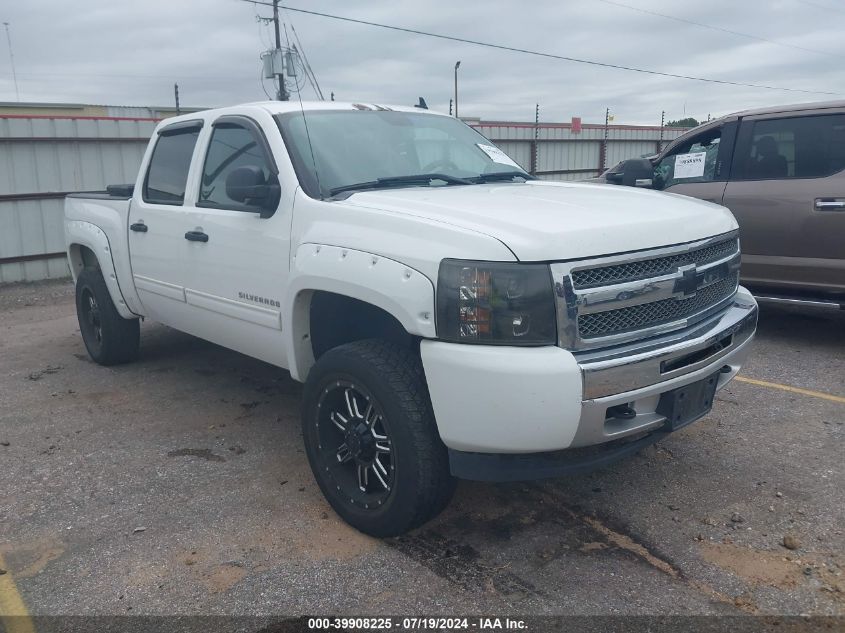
column 131, row 53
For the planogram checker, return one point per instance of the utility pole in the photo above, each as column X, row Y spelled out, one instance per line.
column 662, row 125
column 282, row 94
column 535, row 153
column 604, row 145
column 176, row 95
column 457, row 65
column 12, row 60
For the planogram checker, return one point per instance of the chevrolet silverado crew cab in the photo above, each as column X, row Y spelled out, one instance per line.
column 781, row 171
column 450, row 316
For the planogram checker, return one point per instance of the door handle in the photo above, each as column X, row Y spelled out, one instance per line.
column 196, row 236
column 138, row 227
column 829, row 204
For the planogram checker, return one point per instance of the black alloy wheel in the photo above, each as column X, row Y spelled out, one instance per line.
column 371, row 437
column 354, row 443
column 89, row 320
column 109, row 338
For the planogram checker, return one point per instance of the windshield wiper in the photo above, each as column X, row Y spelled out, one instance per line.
column 413, row 179
column 502, row 175
column 452, row 180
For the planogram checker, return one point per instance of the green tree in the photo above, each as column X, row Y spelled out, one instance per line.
column 688, row 122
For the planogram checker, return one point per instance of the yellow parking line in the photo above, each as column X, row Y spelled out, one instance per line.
column 805, row 392
column 13, row 614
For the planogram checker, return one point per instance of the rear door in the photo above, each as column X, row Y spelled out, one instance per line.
column 698, row 165
column 787, row 191
column 156, row 217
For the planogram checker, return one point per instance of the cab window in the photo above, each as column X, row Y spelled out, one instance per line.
column 695, row 160
column 795, row 147
column 231, row 146
column 167, row 174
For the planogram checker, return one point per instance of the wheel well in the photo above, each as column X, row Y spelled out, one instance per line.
column 337, row 319
column 82, row 257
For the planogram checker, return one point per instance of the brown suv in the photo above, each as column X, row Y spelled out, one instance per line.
column 781, row 171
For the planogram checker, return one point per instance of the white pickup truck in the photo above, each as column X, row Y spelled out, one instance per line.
column 450, row 316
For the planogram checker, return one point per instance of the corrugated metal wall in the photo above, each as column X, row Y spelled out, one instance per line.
column 565, row 155
column 41, row 160
column 43, row 157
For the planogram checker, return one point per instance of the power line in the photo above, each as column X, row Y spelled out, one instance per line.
column 718, row 28
column 261, row 81
column 123, row 75
column 12, row 61
column 821, row 6
column 301, row 61
column 546, row 55
column 294, row 60
column 313, row 77
column 263, row 33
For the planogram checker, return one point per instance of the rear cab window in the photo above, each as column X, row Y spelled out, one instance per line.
column 790, row 147
column 167, row 173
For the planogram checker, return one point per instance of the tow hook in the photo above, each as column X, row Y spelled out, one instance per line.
column 621, row 412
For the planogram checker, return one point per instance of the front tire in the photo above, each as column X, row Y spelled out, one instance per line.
column 371, row 438
column 109, row 338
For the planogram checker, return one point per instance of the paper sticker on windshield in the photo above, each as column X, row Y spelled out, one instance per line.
column 497, row 155
column 689, row 165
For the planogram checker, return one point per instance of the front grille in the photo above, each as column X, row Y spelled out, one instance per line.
column 647, row 315
column 633, row 271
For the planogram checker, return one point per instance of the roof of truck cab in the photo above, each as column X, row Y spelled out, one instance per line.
column 283, row 107
column 793, row 107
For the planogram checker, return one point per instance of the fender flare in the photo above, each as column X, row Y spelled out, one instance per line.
column 399, row 290
column 79, row 234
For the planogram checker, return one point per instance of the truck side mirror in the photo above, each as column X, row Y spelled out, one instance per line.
column 634, row 172
column 248, row 186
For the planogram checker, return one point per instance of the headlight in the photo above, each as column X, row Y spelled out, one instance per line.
column 495, row 303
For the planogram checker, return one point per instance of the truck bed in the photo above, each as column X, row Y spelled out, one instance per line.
column 98, row 220
column 112, row 192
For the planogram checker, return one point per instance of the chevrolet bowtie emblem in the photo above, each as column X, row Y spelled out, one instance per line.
column 689, row 281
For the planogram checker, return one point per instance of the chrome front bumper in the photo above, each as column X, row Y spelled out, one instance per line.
column 637, row 375
column 627, row 376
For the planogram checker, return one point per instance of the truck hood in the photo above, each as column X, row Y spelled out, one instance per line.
column 544, row 221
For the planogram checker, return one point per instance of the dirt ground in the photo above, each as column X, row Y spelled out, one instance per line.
column 178, row 485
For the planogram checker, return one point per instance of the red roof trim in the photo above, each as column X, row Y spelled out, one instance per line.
column 566, row 126
column 70, row 116
column 589, row 126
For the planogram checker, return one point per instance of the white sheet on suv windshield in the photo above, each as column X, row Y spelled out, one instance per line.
column 497, row 155
column 689, row 165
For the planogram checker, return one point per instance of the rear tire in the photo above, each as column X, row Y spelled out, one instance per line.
column 109, row 338
column 371, row 438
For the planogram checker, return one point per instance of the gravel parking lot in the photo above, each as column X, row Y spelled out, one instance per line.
column 178, row 485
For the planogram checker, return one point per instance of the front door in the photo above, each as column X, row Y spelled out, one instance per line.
column 236, row 265
column 787, row 191
column 698, row 166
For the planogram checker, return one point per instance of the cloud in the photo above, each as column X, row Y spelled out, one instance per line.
column 99, row 51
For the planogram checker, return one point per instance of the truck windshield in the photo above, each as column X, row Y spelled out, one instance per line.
column 375, row 149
